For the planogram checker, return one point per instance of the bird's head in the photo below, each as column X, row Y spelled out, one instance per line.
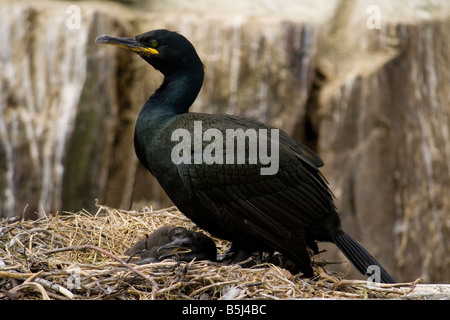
column 186, row 245
column 167, row 51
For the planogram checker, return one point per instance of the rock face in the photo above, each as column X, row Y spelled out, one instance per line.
column 53, row 143
column 365, row 83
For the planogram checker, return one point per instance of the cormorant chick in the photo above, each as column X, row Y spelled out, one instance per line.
column 175, row 243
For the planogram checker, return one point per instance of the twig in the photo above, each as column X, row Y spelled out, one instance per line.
column 33, row 285
column 112, row 256
column 55, row 287
column 15, row 275
column 212, row 285
column 380, row 287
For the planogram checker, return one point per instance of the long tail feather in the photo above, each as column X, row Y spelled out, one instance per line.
column 360, row 258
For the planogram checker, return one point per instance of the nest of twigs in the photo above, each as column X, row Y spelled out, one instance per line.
column 80, row 256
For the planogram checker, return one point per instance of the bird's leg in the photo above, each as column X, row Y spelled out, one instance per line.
column 241, row 256
column 259, row 258
column 312, row 244
column 234, row 255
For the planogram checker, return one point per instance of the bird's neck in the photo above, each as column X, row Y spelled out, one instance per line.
column 175, row 95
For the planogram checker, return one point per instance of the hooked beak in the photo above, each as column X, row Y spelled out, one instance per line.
column 127, row 43
column 175, row 247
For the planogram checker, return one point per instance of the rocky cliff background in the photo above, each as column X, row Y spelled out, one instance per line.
column 364, row 83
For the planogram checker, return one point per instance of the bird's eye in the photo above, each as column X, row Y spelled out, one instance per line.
column 154, row 43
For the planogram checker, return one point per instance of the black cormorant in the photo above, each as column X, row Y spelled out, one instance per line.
column 285, row 211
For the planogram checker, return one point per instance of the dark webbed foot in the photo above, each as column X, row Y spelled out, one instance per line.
column 234, row 255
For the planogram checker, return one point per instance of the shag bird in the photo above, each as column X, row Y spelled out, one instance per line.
column 176, row 243
column 287, row 211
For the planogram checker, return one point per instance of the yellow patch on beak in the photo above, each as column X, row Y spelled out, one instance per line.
column 145, row 51
column 181, row 250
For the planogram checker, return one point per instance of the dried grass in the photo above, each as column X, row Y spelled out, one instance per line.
column 79, row 256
